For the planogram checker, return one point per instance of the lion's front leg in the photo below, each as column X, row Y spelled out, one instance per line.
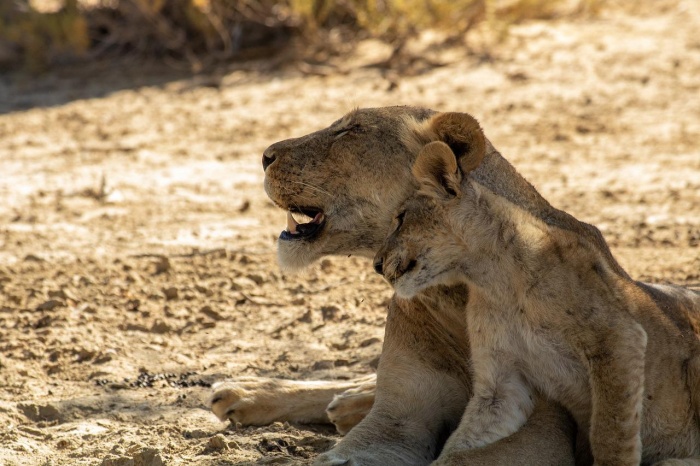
column 422, row 389
column 546, row 439
column 615, row 355
column 501, row 404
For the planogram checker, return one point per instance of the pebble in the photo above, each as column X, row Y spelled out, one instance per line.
column 170, row 293
column 211, row 313
column 50, row 305
column 36, row 413
column 217, row 442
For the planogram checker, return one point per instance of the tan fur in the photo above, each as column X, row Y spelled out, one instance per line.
column 357, row 172
column 258, row 401
column 549, row 311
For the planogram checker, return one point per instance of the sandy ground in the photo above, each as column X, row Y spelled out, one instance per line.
column 137, row 247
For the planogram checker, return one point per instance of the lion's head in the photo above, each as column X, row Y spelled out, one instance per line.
column 427, row 244
column 342, row 185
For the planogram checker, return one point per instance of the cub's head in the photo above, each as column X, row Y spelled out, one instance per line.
column 341, row 185
column 423, row 249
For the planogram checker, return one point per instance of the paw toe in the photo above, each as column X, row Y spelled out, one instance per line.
column 221, row 402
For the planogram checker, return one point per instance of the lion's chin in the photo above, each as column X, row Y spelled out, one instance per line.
column 406, row 289
column 296, row 255
column 293, row 256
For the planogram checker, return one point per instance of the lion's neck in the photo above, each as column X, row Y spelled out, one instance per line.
column 499, row 177
column 500, row 242
column 446, row 304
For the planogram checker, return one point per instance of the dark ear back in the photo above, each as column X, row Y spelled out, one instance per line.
column 462, row 133
column 436, row 170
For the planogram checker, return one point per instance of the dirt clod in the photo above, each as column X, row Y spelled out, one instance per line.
column 50, row 305
column 40, row 412
column 217, row 442
column 171, row 293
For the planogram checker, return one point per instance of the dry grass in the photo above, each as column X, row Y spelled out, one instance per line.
column 204, row 31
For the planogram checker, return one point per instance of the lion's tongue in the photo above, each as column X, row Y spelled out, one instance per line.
column 291, row 224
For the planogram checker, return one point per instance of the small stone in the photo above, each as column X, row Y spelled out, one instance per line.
column 217, row 442
column 36, row 413
column 105, row 356
column 369, row 341
column 50, row 305
column 160, row 326
column 204, row 290
column 307, row 318
column 195, row 433
column 63, row 444
column 329, row 312
column 326, row 265
column 256, row 278
column 211, row 313
column 57, row 294
column 85, row 354
column 117, row 461
column 162, row 265
column 148, row 457
column 244, row 207
column 87, row 309
column 170, row 293
column 241, row 283
column 323, row 365
column 133, row 305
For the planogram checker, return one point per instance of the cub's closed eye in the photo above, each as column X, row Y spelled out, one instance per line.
column 399, row 219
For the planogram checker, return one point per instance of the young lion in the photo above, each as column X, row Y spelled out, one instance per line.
column 550, row 311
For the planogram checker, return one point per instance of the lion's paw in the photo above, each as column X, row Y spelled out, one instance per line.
column 351, row 406
column 244, row 401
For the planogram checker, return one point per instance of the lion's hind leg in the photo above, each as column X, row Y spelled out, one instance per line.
column 258, row 401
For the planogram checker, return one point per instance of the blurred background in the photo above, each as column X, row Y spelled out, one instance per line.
column 39, row 33
column 137, row 246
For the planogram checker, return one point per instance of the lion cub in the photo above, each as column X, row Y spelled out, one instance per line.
column 550, row 310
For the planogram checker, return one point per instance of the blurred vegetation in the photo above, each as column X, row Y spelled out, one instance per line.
column 36, row 34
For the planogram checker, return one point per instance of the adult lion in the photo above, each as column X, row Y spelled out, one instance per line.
column 349, row 179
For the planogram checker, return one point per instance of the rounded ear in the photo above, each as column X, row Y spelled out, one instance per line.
column 463, row 134
column 436, row 169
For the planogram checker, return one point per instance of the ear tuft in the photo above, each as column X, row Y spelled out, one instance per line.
column 462, row 133
column 436, row 169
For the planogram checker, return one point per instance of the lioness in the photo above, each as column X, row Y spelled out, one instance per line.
column 549, row 309
column 349, row 179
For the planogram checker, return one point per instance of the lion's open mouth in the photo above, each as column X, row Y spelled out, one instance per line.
column 308, row 224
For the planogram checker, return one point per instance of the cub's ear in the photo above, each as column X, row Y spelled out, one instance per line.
column 436, row 170
column 463, row 134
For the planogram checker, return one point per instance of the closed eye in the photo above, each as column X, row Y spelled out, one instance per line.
column 356, row 128
column 399, row 219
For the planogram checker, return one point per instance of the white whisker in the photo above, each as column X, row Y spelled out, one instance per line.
column 308, row 185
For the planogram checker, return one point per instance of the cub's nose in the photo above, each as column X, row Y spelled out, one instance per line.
column 379, row 266
column 268, row 157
